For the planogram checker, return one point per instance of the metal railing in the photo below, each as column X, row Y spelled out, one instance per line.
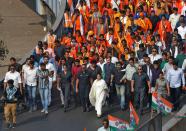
column 154, row 124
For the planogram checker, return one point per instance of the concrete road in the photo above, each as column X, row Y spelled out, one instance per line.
column 73, row 120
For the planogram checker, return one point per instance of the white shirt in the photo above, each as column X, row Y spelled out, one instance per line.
column 182, row 31
column 184, row 65
column 30, row 77
column 183, row 10
column 129, row 71
column 101, row 65
column 149, row 73
column 24, row 68
column 166, row 68
column 154, row 58
column 50, row 67
column 14, row 76
column 114, row 59
column 175, row 78
column 122, row 19
column 50, row 51
column 174, row 18
column 103, row 129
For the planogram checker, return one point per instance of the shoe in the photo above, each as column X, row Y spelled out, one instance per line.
column 62, row 105
column 84, row 109
column 46, row 112
column 42, row 111
column 124, row 108
column 98, row 116
column 8, row 126
column 30, row 110
column 65, row 110
column 34, row 108
column 14, row 125
column 88, row 109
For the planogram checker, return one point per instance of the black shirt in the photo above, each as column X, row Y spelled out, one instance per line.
column 59, row 51
column 65, row 78
column 69, row 62
column 84, row 79
column 140, row 81
column 108, row 69
column 93, row 73
column 141, row 53
column 118, row 74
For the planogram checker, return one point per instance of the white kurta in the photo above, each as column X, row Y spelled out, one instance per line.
column 98, row 95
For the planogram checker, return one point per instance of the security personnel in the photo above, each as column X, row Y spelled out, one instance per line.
column 83, row 87
column 65, row 81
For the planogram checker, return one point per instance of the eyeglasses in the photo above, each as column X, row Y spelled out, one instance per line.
column 139, row 69
column 154, row 51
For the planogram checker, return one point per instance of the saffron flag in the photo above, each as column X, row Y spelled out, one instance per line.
column 134, row 118
column 161, row 104
column 117, row 124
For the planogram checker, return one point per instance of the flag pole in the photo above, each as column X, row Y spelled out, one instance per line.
column 151, row 114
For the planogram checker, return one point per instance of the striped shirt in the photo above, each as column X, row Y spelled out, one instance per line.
column 43, row 78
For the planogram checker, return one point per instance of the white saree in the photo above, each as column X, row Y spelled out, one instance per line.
column 98, row 95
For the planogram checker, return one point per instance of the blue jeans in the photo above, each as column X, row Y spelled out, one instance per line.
column 44, row 97
column 120, row 89
column 31, row 95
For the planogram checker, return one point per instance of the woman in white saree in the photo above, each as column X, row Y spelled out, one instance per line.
column 98, row 94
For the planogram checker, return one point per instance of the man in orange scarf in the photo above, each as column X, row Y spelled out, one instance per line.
column 101, row 27
column 95, row 19
column 79, row 37
column 50, row 39
column 78, row 22
column 117, row 26
column 143, row 22
column 66, row 40
column 68, row 26
column 163, row 27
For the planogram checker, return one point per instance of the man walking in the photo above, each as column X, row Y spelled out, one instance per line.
column 83, row 87
column 140, row 82
column 175, row 78
column 116, row 76
column 43, row 85
column 10, row 97
column 129, row 71
column 30, row 76
column 108, row 68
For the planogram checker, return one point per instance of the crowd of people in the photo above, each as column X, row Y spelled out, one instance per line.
column 123, row 48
